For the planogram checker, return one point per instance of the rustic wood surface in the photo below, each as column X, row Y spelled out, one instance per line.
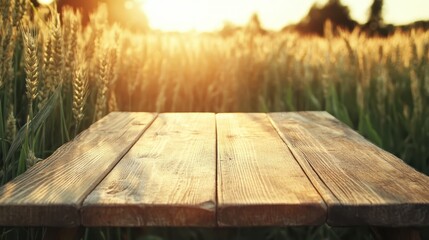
column 259, row 181
column 51, row 192
column 232, row 169
column 360, row 183
column 167, row 179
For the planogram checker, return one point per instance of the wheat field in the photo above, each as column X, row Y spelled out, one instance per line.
column 58, row 76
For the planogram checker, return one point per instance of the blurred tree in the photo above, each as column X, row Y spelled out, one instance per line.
column 334, row 11
column 254, row 25
column 375, row 24
column 375, row 15
column 133, row 18
column 84, row 6
column 229, row 29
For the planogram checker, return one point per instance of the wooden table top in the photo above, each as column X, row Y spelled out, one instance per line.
column 226, row 169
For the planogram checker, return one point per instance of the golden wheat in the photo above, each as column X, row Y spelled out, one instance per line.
column 72, row 22
column 80, row 87
column 102, row 84
column 58, row 58
column 31, row 65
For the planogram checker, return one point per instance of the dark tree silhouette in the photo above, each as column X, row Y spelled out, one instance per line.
column 375, row 24
column 376, row 12
column 334, row 11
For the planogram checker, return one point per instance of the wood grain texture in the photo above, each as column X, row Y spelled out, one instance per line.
column 168, row 178
column 361, row 183
column 259, row 181
column 51, row 192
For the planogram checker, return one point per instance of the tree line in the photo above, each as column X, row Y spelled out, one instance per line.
column 313, row 23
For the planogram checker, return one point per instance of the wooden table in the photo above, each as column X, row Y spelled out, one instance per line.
column 226, row 169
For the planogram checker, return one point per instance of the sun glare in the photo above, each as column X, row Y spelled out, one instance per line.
column 185, row 15
column 209, row 15
column 45, row 2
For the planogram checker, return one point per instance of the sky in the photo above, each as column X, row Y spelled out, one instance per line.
column 206, row 15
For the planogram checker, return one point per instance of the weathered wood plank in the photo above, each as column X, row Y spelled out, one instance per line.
column 167, row 179
column 361, row 183
column 51, row 192
column 259, row 181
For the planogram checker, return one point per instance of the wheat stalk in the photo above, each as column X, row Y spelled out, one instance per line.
column 103, row 83
column 71, row 30
column 112, row 104
column 7, row 44
column 6, row 8
column 10, row 125
column 31, row 65
column 58, row 61
column 47, row 84
column 80, row 90
column 19, row 7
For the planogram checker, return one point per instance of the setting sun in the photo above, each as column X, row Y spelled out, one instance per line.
column 207, row 15
column 180, row 15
